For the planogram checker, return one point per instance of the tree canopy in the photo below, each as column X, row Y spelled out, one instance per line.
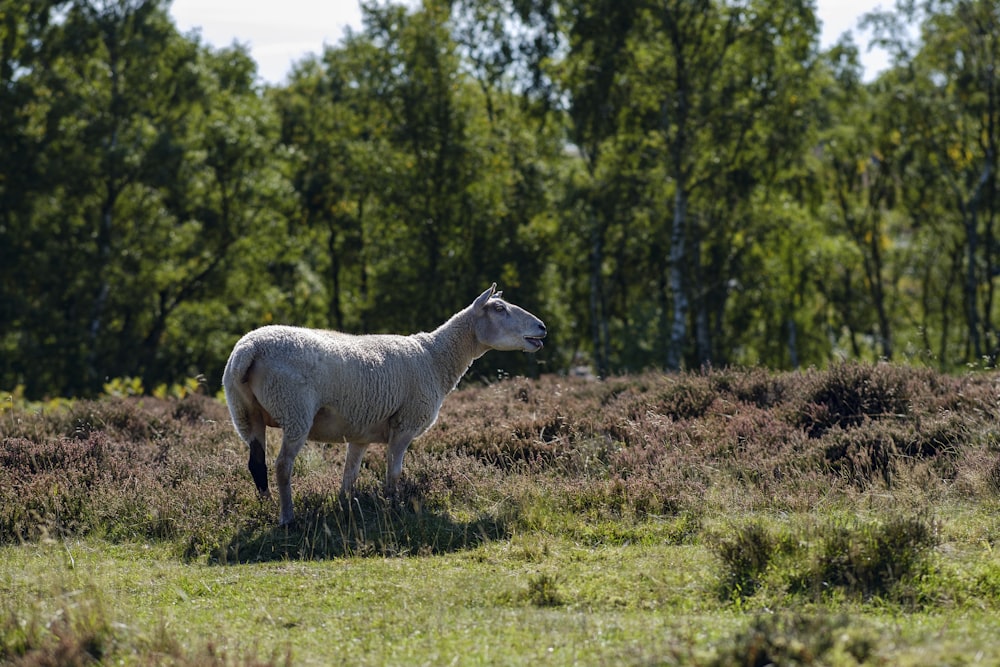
column 669, row 184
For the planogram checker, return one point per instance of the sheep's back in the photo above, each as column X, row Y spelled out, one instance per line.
column 364, row 380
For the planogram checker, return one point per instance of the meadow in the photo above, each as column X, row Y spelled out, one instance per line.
column 728, row 517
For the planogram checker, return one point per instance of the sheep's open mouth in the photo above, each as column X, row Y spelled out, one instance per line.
column 534, row 341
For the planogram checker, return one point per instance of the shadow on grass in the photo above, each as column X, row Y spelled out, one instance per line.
column 367, row 525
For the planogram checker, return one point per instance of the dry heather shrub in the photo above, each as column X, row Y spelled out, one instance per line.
column 45, row 486
column 622, row 449
column 510, row 424
column 862, row 456
column 993, row 476
column 758, row 387
column 123, row 468
column 974, row 395
column 848, row 393
column 678, row 397
column 875, row 450
column 773, row 462
column 977, row 474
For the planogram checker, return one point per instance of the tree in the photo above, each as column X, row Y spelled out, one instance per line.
column 704, row 101
column 948, row 124
column 148, row 150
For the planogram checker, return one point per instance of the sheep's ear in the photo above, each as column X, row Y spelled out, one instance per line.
column 485, row 296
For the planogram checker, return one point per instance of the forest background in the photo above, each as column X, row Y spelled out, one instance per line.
column 668, row 183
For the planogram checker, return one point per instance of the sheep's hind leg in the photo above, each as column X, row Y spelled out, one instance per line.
column 258, row 467
column 258, row 454
column 291, row 443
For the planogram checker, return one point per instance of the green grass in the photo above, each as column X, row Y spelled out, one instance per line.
column 475, row 608
column 534, row 597
column 734, row 517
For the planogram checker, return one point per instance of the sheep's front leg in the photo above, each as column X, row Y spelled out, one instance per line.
column 352, row 466
column 291, row 443
column 398, row 443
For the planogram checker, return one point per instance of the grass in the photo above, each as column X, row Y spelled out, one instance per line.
column 836, row 517
column 493, row 604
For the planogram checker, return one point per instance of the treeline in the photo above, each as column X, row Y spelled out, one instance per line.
column 668, row 183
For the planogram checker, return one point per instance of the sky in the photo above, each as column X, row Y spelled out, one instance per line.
column 282, row 33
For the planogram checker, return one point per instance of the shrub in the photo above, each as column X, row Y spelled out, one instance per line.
column 862, row 456
column 758, row 387
column 543, row 591
column 797, row 639
column 848, row 393
column 631, row 450
column 685, row 397
column 873, row 559
column 744, row 556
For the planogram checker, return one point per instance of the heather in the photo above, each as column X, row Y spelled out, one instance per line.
column 792, row 512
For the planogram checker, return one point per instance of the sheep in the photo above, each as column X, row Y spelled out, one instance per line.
column 329, row 386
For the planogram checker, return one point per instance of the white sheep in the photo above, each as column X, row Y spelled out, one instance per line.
column 335, row 387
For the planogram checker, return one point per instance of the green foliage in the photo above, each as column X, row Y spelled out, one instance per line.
column 694, row 186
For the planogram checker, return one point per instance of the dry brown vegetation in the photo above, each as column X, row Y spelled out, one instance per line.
column 722, row 442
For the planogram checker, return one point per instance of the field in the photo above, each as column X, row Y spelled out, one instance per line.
column 731, row 517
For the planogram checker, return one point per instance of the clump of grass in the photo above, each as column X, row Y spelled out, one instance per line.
column 744, row 554
column 874, row 559
column 796, row 638
column 543, row 591
column 76, row 635
column 85, row 632
column 865, row 560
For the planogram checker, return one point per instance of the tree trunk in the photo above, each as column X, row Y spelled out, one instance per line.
column 678, row 288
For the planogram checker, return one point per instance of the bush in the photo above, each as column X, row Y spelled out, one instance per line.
column 745, row 556
column 848, row 393
column 543, row 591
column 797, row 639
column 873, row 559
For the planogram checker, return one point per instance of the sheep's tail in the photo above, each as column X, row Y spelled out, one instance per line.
column 245, row 411
column 234, row 379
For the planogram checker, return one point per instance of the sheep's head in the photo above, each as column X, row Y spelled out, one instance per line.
column 504, row 326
